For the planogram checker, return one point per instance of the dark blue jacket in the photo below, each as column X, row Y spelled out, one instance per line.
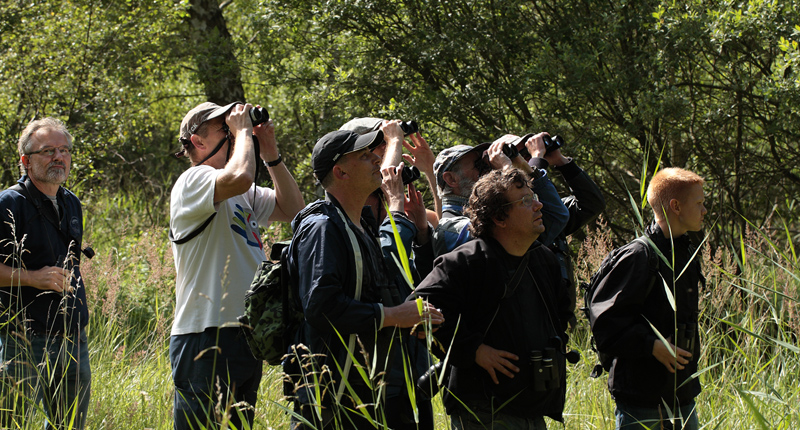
column 321, row 264
column 584, row 203
column 33, row 237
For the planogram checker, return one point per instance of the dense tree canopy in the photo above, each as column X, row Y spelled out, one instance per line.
column 708, row 85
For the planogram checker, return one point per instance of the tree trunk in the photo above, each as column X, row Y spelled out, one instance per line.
column 212, row 48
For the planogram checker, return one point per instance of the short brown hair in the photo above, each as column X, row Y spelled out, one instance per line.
column 488, row 200
column 670, row 183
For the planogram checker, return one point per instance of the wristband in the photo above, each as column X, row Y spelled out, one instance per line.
column 275, row 162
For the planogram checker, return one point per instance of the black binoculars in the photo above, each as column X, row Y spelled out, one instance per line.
column 686, row 336
column 545, row 370
column 550, row 145
column 258, row 115
column 410, row 174
column 409, row 127
column 428, row 383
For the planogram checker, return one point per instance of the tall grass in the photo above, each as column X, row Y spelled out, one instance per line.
column 750, row 324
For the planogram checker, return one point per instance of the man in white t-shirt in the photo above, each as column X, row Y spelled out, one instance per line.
column 215, row 215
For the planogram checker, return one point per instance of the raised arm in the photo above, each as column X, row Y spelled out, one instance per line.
column 239, row 172
column 288, row 199
column 422, row 156
column 393, row 135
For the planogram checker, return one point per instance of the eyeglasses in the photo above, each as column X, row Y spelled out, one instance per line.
column 49, row 151
column 527, row 201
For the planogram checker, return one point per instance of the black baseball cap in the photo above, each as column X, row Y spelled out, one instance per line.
column 331, row 147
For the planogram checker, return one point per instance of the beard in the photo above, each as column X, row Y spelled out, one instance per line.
column 49, row 174
column 465, row 186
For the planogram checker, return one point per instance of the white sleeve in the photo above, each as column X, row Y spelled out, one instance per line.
column 192, row 200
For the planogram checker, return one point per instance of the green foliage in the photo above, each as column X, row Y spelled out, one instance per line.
column 697, row 84
column 110, row 78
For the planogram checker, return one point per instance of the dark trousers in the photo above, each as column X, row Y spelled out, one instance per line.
column 216, row 379
column 481, row 417
column 632, row 417
column 52, row 370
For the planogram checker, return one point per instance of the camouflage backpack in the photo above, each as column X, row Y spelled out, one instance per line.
column 271, row 315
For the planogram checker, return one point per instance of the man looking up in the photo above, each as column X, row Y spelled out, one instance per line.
column 352, row 306
column 458, row 168
column 648, row 376
column 215, row 215
column 43, row 310
column 584, row 202
column 391, row 150
column 506, row 312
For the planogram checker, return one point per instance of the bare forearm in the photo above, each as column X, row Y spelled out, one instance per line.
column 394, row 153
column 12, row 277
column 46, row 278
column 288, row 198
column 437, row 201
column 239, row 172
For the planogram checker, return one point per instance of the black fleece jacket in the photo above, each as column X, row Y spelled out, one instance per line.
column 471, row 287
column 624, row 329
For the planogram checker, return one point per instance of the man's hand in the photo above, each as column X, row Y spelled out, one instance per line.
column 50, row 278
column 663, row 355
column 496, row 360
column 407, row 315
column 535, row 145
column 422, row 157
column 497, row 159
column 421, row 154
column 392, row 186
column 238, row 119
column 416, row 212
column 267, row 145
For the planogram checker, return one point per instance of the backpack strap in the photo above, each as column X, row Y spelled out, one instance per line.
column 194, row 233
column 351, row 341
column 652, row 263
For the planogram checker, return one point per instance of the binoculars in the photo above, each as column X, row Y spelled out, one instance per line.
column 687, row 333
column 545, row 371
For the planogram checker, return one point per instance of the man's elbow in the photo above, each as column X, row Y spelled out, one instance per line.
column 237, row 181
column 293, row 207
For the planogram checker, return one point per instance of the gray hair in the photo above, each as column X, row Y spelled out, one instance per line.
column 25, row 140
column 47, row 123
column 445, row 189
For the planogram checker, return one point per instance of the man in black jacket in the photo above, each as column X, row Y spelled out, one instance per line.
column 43, row 310
column 352, row 307
column 584, row 202
column 506, row 312
column 648, row 374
